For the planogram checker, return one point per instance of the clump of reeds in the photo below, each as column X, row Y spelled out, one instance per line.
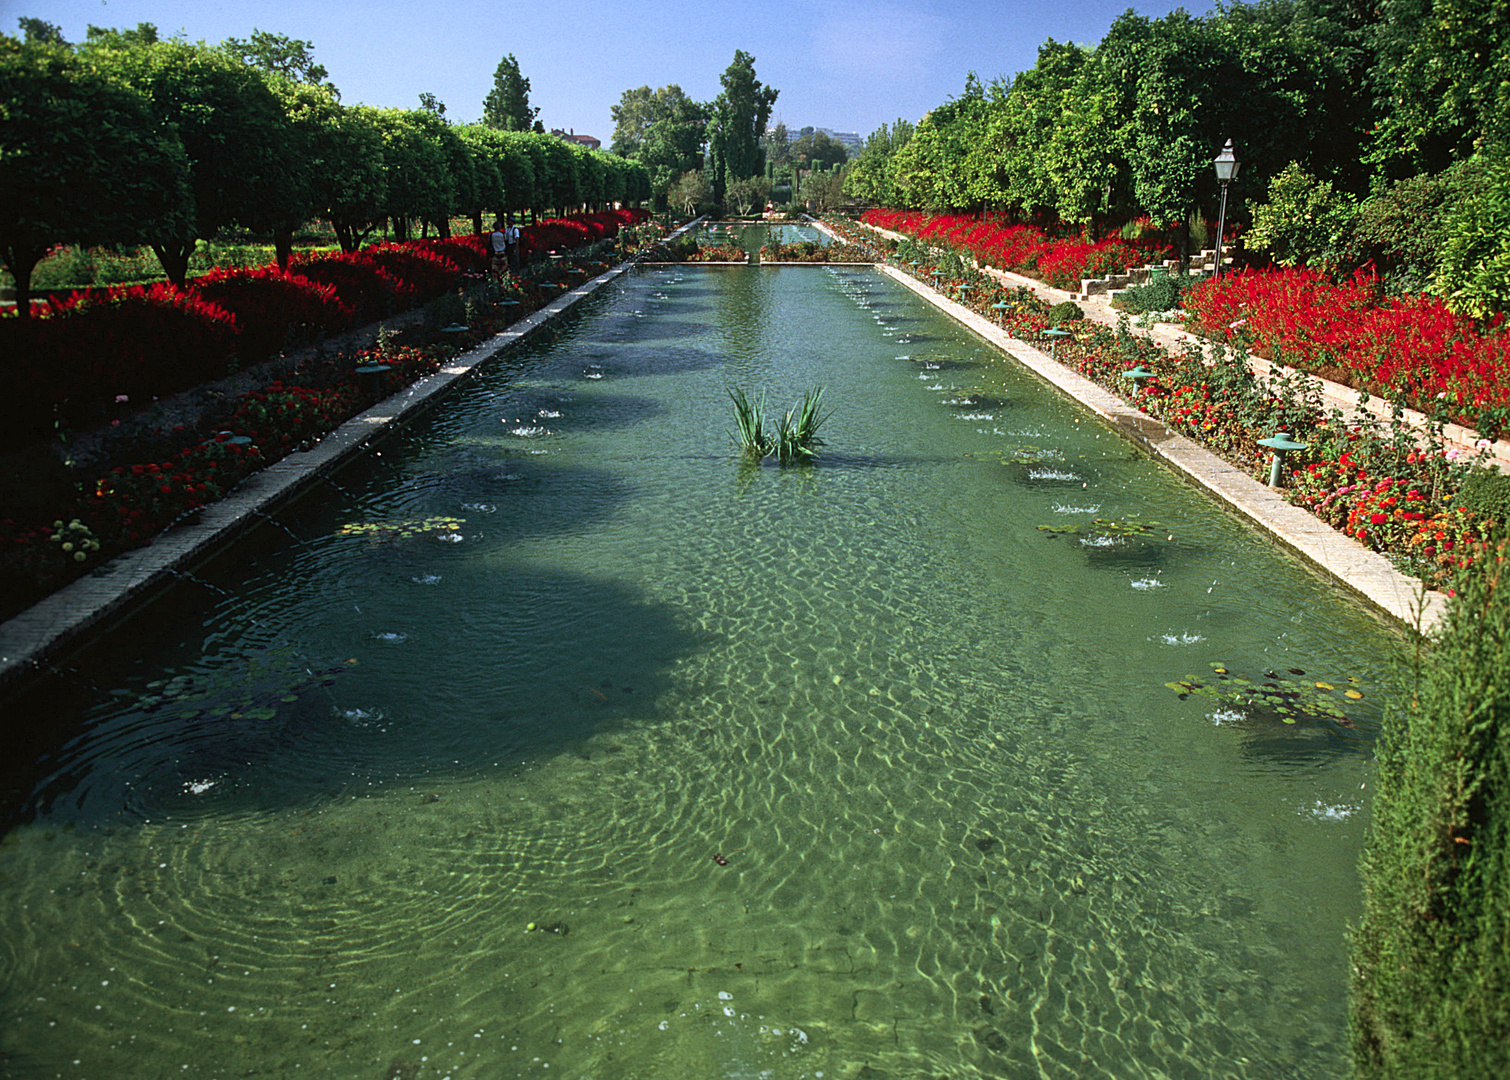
column 796, row 438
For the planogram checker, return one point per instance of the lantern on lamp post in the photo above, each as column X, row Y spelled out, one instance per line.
column 1226, row 165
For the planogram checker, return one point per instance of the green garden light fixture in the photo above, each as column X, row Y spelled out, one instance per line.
column 1279, row 444
column 1137, row 375
column 1053, row 333
column 1226, row 165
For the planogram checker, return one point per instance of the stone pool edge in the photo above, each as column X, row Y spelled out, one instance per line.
column 1366, row 573
column 29, row 640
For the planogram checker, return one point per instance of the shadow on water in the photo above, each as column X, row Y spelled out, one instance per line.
column 265, row 729
column 617, row 330
column 295, row 713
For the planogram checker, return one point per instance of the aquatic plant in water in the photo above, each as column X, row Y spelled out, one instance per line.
column 1274, row 696
column 796, row 437
column 402, row 530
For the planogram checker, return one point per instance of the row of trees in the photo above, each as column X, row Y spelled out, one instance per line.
column 1359, row 98
column 128, row 139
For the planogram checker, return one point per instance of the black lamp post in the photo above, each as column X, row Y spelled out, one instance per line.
column 1226, row 164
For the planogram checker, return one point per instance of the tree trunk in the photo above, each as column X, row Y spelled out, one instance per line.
column 443, row 227
column 174, row 258
column 283, row 244
column 400, row 229
column 22, row 261
column 477, row 223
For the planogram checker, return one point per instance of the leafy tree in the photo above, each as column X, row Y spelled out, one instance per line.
column 1473, row 274
column 777, row 144
column 823, row 189
column 1304, row 223
column 234, row 133
column 507, row 105
column 348, row 170
column 663, row 129
column 632, row 118
column 145, row 33
column 869, row 178
column 278, row 54
column 40, row 32
column 485, row 149
column 745, row 195
column 927, row 172
column 1442, row 78
column 690, row 191
column 419, row 185
column 83, row 159
column 817, row 149
column 739, row 118
column 432, row 104
column 517, row 172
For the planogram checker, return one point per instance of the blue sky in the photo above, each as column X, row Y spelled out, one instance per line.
column 849, row 65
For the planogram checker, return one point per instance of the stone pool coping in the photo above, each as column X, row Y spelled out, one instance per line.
column 1366, row 573
column 36, row 636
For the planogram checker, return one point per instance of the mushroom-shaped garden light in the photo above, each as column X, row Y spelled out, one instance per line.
column 1279, row 444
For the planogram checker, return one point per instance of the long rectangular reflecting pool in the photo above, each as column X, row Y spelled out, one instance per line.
column 550, row 739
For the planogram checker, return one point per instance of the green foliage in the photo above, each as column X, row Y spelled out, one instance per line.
column 1487, row 494
column 738, row 119
column 83, row 159
column 40, row 32
column 507, row 105
column 750, row 434
column 1063, row 312
column 796, row 437
column 1430, row 987
column 234, row 131
column 278, row 54
column 1442, row 74
column 1160, row 294
column 1304, row 223
column 1473, row 273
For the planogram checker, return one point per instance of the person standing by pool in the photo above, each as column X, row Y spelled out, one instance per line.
column 511, row 244
column 498, row 243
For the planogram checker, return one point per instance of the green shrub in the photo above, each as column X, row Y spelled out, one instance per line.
column 1400, row 230
column 1430, row 988
column 1160, row 294
column 1473, row 272
column 1063, row 312
column 1487, row 494
column 1304, row 223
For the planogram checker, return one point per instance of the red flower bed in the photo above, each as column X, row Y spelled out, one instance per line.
column 1062, row 263
column 370, row 291
column 1410, row 347
column 70, row 360
column 271, row 307
column 422, row 272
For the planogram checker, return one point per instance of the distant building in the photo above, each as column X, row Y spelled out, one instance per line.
column 571, row 136
column 850, row 139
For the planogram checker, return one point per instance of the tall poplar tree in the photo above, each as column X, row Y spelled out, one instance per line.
column 739, row 119
column 507, row 106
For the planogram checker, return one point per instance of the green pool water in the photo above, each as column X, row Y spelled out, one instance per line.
column 550, row 740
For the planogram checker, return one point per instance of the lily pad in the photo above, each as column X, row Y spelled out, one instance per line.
column 1272, row 697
